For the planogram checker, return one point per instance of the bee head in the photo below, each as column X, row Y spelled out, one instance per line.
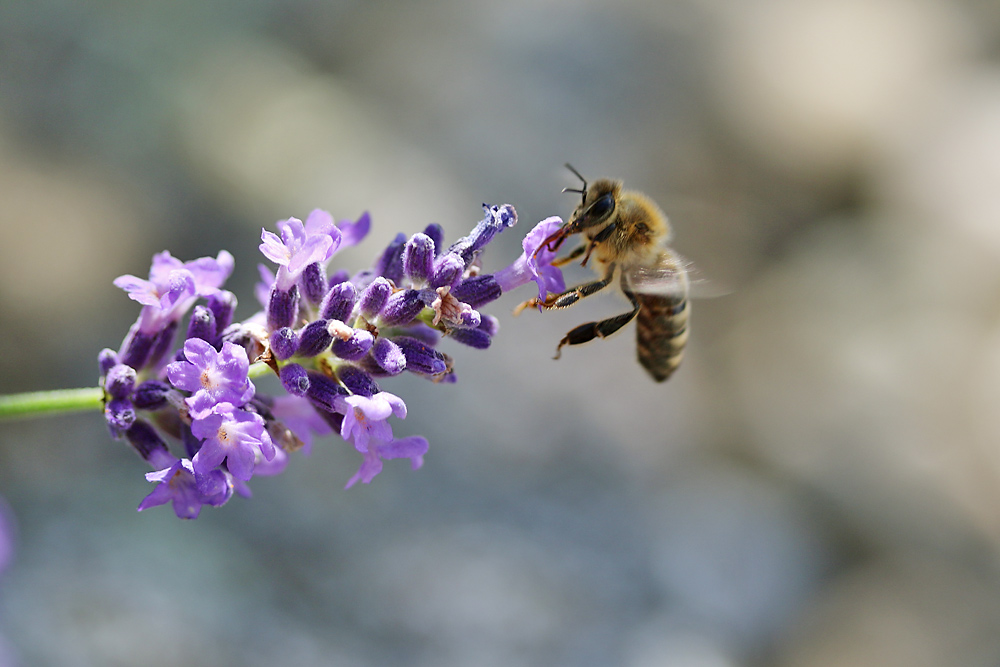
column 598, row 205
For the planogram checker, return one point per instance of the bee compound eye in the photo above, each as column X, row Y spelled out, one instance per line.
column 602, row 207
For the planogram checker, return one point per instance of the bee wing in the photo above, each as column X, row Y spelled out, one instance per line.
column 668, row 277
column 673, row 275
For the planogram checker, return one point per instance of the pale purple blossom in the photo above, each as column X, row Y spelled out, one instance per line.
column 366, row 418
column 296, row 248
column 212, row 376
column 413, row 448
column 535, row 263
column 236, row 436
column 186, row 489
column 173, row 286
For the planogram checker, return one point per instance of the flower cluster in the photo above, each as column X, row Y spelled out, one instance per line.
column 330, row 338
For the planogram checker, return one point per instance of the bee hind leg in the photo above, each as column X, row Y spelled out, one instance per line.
column 591, row 330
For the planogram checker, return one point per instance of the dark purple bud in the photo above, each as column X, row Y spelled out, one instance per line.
column 284, row 343
column 498, row 218
column 374, row 297
column 436, row 233
column 314, row 339
column 354, row 347
column 339, row 302
column 389, row 356
column 282, row 307
column 120, row 381
column 119, row 413
column 420, row 357
column 490, row 325
column 223, row 306
column 477, row 291
column 202, row 324
column 476, row 338
column 418, row 258
column 294, row 379
column 145, row 440
column 313, row 281
column 106, row 360
column 162, row 345
column 390, row 264
column 357, row 381
column 151, row 395
column 402, row 307
column 448, row 270
column 137, row 348
column 339, row 276
column 323, row 391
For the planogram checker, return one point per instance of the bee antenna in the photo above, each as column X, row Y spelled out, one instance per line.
column 578, row 175
column 582, row 191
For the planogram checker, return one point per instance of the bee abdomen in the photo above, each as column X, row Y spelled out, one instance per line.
column 661, row 334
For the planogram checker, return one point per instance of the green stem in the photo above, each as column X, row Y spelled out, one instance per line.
column 39, row 403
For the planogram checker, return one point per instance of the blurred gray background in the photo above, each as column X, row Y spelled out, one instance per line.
column 818, row 484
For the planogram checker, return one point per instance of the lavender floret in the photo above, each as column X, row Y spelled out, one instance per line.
column 151, row 395
column 477, row 291
column 314, row 339
column 418, row 258
column 357, row 381
column 353, row 348
column 402, row 307
column 314, row 283
column 390, row 264
column 339, row 302
column 284, row 343
column 223, row 306
column 202, row 324
column 374, row 297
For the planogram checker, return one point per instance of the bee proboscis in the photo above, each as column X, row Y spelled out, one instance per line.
column 626, row 234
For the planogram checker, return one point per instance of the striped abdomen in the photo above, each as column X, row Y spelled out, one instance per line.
column 661, row 332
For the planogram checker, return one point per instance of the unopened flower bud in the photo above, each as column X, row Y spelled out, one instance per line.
column 354, row 347
column 120, row 381
column 357, row 381
column 284, row 343
column 418, row 258
column 314, row 339
column 314, row 283
column 294, row 379
column 402, row 307
column 374, row 297
column 389, row 356
column 339, row 302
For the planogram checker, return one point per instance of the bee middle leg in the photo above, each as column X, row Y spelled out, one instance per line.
column 591, row 330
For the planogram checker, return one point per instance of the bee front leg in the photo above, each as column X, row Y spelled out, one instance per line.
column 563, row 261
column 570, row 296
column 591, row 330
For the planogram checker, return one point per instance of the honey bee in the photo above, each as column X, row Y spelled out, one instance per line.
column 626, row 233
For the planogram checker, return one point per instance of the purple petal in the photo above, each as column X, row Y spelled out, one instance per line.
column 353, row 232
